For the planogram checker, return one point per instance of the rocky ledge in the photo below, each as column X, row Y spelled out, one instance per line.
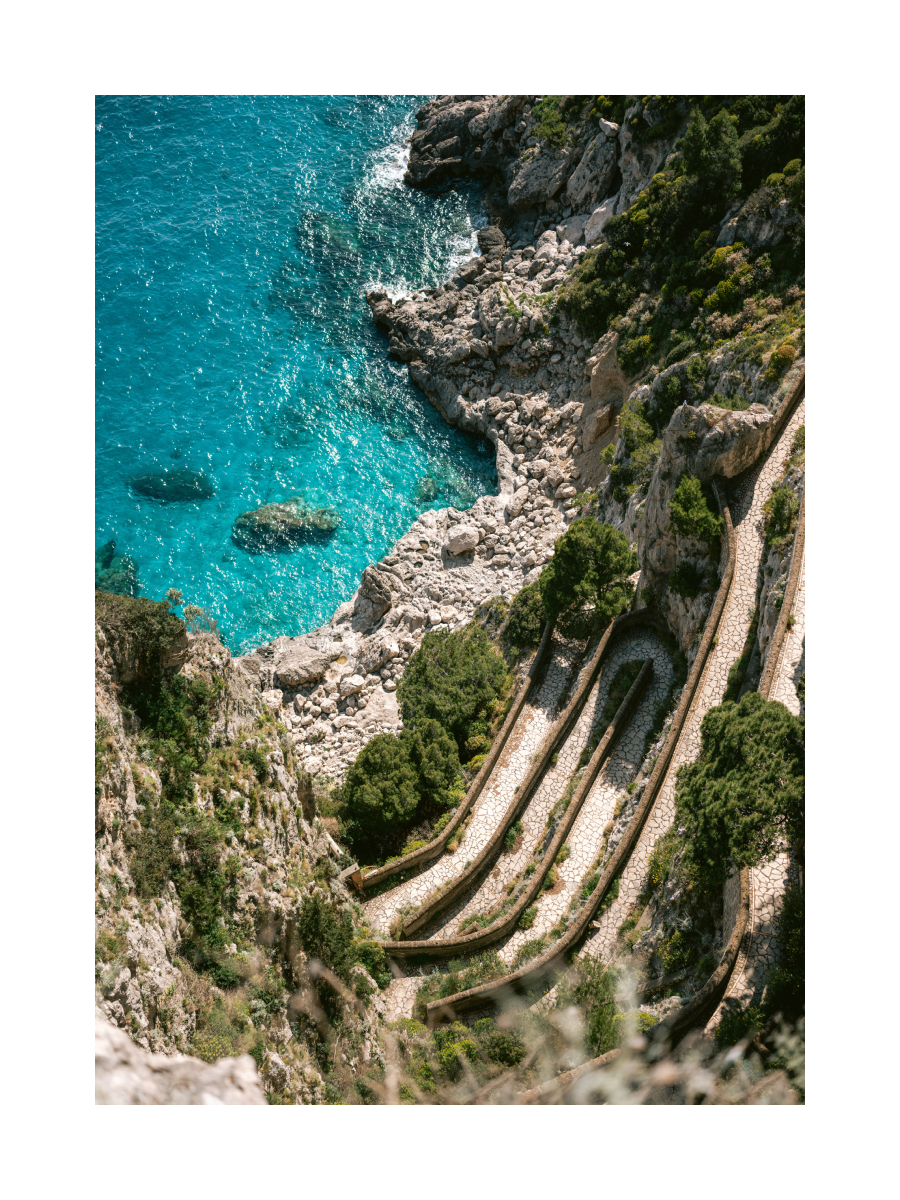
column 497, row 358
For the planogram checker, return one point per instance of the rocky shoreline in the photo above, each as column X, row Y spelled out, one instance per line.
column 497, row 359
column 579, row 426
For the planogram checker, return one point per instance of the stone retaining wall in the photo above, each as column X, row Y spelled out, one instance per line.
column 552, row 742
column 530, row 975
column 473, row 942
column 435, row 847
column 737, row 948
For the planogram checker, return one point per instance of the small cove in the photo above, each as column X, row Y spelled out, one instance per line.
column 236, row 237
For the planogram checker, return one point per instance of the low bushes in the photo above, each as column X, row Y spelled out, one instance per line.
column 455, row 678
column 594, row 991
column 395, row 782
column 584, row 586
column 742, row 801
column 691, row 511
column 526, row 619
column 687, row 580
column 781, row 511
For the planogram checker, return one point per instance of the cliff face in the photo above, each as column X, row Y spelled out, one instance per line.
column 666, row 381
column 240, row 840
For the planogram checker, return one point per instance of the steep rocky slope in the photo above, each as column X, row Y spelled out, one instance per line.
column 620, row 328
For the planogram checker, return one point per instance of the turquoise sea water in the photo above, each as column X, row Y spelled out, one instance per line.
column 236, row 237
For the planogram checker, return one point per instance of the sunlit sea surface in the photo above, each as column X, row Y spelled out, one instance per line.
column 236, row 237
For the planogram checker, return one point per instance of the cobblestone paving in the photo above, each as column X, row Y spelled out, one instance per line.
column 534, row 819
column 768, row 882
column 523, row 744
column 747, row 515
column 586, row 837
column 400, row 996
column 793, row 654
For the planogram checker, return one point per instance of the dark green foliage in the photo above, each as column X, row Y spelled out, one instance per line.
column 712, row 155
column 394, row 782
column 371, row 955
column 679, row 950
column 179, row 712
column 509, row 838
column 551, row 124
column 687, row 580
column 526, row 618
column 662, row 859
column 528, row 916
column 202, row 886
column 786, row 991
column 691, row 512
column 456, row 679
column 737, row 1023
column 664, row 241
column 460, row 976
column 507, row 1049
column 327, row 936
column 781, row 510
column 642, row 449
column 152, row 858
column 801, row 688
column 590, row 567
column 742, row 801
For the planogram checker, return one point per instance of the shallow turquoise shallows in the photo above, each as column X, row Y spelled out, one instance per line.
column 236, row 238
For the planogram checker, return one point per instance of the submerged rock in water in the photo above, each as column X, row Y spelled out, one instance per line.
column 283, row 526
column 170, row 486
column 426, row 490
column 115, row 572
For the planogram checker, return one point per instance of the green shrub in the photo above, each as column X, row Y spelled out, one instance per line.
column 691, row 513
column 738, row 1023
column 679, row 950
column 736, row 403
column 595, row 994
column 786, row 990
column 456, row 679
column 395, row 782
column 505, row 1048
column 686, row 580
column 526, row 618
column 662, row 859
column 588, row 886
column 528, row 917
column 328, row 936
column 742, row 801
column 528, row 950
column 210, row 1049
column 781, row 358
column 551, row 125
column 781, row 511
column 590, row 567
column 509, row 838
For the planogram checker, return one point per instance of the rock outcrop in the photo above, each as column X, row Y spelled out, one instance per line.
column 169, row 487
column 126, row 1074
column 279, row 527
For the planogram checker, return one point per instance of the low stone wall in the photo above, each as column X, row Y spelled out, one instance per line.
column 472, row 942
column 679, row 1021
column 552, row 742
column 532, row 974
column 436, row 846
